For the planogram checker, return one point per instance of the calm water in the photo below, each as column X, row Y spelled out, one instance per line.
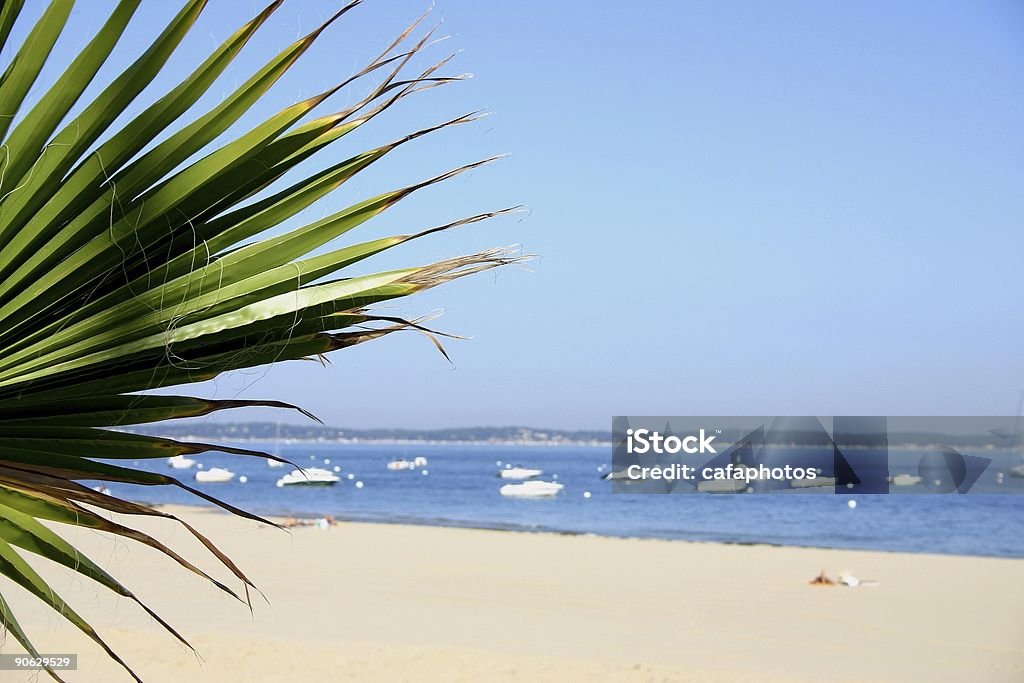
column 461, row 489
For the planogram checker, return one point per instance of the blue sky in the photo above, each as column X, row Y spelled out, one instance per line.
column 741, row 208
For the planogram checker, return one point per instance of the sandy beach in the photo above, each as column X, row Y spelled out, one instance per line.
column 365, row 602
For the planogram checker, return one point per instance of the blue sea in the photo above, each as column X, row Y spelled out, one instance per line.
column 459, row 487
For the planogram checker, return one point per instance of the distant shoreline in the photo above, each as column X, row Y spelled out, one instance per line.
column 898, row 446
column 273, row 432
column 390, row 442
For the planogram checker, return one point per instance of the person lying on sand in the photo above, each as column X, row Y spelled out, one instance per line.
column 845, row 578
column 822, row 580
column 322, row 522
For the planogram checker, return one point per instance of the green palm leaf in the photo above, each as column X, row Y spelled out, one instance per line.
column 128, row 263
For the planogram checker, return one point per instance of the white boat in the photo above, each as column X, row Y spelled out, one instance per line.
column 420, row 461
column 180, row 462
column 1017, row 470
column 519, row 473
column 904, row 480
column 313, row 476
column 398, row 465
column 532, row 489
column 274, row 463
column 817, row 482
column 214, row 475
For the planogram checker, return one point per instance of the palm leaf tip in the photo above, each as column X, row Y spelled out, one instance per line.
column 133, row 257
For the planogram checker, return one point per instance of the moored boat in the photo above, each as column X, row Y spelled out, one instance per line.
column 314, row 476
column 214, row 475
column 531, row 489
column 519, row 472
column 904, row 480
column 399, row 465
column 180, row 462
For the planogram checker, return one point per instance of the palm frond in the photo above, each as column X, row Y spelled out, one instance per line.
column 132, row 258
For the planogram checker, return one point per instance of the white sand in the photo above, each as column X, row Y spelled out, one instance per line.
column 362, row 602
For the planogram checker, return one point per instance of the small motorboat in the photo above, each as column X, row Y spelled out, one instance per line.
column 531, row 489
column 817, row 482
column 1017, row 470
column 313, row 476
column 215, row 475
column 180, row 462
column 399, row 465
column 519, row 472
column 420, row 461
column 904, row 480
